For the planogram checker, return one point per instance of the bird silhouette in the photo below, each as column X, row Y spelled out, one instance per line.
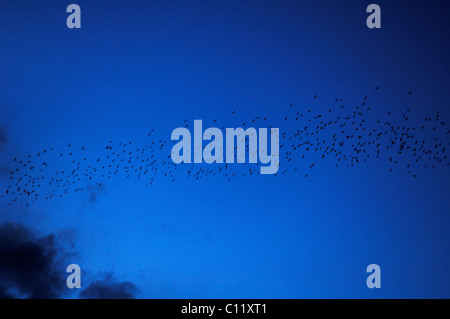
column 347, row 135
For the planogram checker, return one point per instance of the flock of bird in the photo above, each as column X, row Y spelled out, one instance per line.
column 346, row 135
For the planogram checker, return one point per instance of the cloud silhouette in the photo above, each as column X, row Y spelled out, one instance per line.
column 110, row 288
column 30, row 266
column 4, row 293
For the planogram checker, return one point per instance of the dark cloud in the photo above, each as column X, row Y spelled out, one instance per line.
column 4, row 293
column 33, row 267
column 109, row 288
column 29, row 265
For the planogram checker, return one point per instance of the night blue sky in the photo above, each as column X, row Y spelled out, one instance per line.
column 141, row 65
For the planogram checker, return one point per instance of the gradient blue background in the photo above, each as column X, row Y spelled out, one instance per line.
column 141, row 65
